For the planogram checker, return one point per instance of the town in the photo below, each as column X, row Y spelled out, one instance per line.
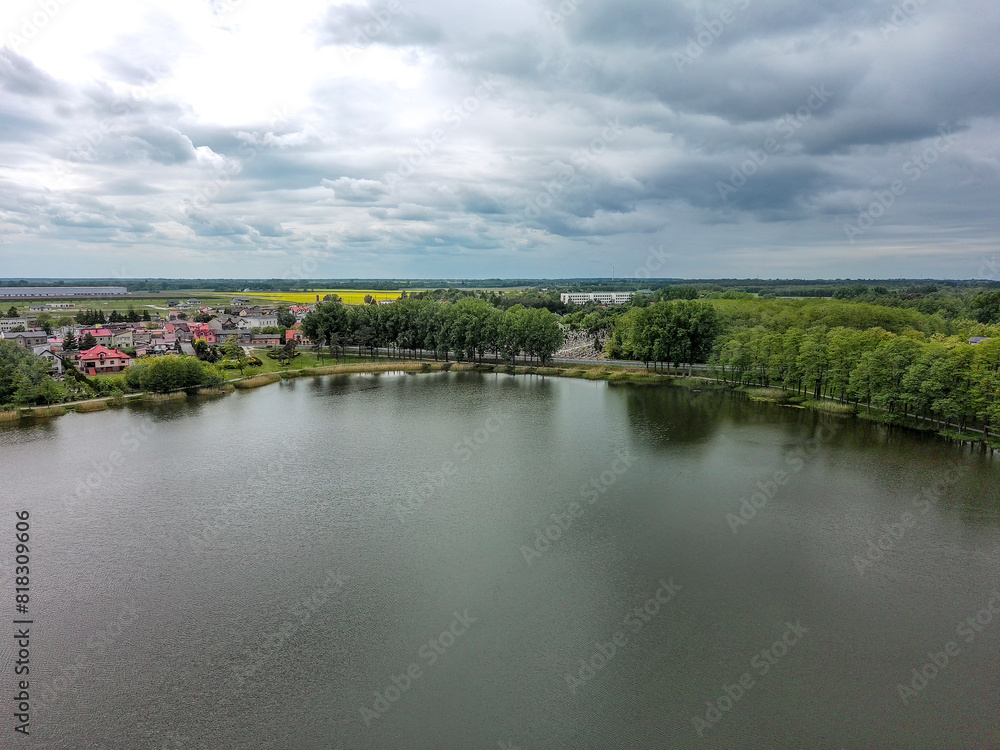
column 98, row 344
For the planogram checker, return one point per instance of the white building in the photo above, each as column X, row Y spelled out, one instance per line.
column 601, row 298
column 9, row 324
column 63, row 291
column 250, row 322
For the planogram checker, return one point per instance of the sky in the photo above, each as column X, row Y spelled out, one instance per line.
column 519, row 139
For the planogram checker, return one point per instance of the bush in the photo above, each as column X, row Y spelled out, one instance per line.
column 169, row 373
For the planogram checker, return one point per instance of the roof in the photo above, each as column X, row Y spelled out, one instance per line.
column 95, row 332
column 61, row 291
column 100, row 350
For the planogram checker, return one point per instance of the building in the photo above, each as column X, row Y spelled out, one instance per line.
column 100, row 360
column 266, row 339
column 295, row 334
column 251, row 322
column 240, row 337
column 124, row 338
column 101, row 335
column 601, row 298
column 62, row 291
column 9, row 324
column 28, row 339
column 977, row 340
column 56, row 363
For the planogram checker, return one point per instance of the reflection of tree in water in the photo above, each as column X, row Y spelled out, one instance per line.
column 672, row 414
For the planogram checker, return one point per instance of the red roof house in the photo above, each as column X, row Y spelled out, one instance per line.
column 100, row 360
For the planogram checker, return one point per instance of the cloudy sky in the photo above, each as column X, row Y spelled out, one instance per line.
column 523, row 138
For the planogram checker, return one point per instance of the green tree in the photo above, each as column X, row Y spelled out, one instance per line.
column 87, row 341
column 286, row 318
column 163, row 374
column 232, row 350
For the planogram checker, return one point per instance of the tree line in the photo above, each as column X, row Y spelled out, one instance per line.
column 469, row 329
column 908, row 374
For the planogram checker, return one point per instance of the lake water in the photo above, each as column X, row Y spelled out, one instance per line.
column 486, row 561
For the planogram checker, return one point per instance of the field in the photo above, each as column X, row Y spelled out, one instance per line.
column 349, row 296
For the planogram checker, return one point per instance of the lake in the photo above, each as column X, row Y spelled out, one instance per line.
column 475, row 561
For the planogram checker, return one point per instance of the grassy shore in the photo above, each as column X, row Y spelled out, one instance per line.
column 308, row 365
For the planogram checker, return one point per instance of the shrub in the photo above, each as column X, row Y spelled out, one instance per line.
column 164, row 374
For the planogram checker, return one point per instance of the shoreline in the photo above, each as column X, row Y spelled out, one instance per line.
column 612, row 374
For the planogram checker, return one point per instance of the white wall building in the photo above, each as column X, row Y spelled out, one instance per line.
column 251, row 322
column 9, row 324
column 601, row 298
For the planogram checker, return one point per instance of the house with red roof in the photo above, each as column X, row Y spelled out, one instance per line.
column 100, row 360
column 102, row 336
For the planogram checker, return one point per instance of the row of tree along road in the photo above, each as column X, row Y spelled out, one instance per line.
column 470, row 329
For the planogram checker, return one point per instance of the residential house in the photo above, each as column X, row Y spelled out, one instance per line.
column 101, row 359
column 124, row 339
column 202, row 331
column 180, row 328
column 295, row 334
column 220, row 322
column 977, row 340
column 266, row 339
column 241, row 337
column 55, row 361
column 28, row 339
column 101, row 335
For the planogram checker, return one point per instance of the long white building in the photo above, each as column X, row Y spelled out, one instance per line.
column 62, row 291
column 601, row 298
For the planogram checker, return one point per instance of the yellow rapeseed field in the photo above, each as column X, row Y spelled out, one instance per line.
column 349, row 296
